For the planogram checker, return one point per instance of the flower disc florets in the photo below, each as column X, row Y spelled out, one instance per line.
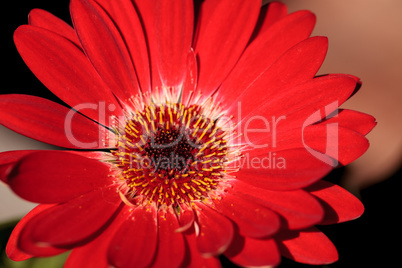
column 171, row 154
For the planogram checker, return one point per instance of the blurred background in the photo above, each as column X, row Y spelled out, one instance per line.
column 365, row 39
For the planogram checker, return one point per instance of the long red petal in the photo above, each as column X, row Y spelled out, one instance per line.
column 125, row 17
column 300, row 103
column 171, row 40
column 13, row 156
column 42, row 18
column 8, row 160
column 65, row 70
column 95, row 252
column 328, row 137
column 194, row 258
column 171, row 247
column 270, row 14
column 309, row 246
column 340, row 143
column 222, row 36
column 52, row 123
column 105, row 48
column 135, row 243
column 12, row 250
column 339, row 204
column 54, row 176
column 297, row 208
column 186, row 220
column 357, row 121
column 250, row 252
column 215, row 231
column 291, row 109
column 240, row 210
column 276, row 45
column 190, row 82
column 71, row 223
column 283, row 170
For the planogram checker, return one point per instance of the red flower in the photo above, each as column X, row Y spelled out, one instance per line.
column 202, row 138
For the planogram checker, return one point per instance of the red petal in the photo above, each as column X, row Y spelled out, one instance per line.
column 50, row 122
column 105, row 47
column 339, row 204
column 171, row 247
column 171, row 39
column 70, row 223
column 126, row 20
column 283, row 170
column 309, row 246
column 339, row 143
column 194, row 259
column 250, row 252
column 13, row 156
column 301, row 105
column 282, row 54
column 298, row 208
column 328, row 137
column 12, row 250
column 357, row 121
column 54, row 176
column 240, row 210
column 5, row 170
column 223, row 35
column 43, row 19
column 190, row 82
column 8, row 160
column 95, row 252
column 215, row 231
column 135, row 242
column 274, row 12
column 186, row 220
column 64, row 69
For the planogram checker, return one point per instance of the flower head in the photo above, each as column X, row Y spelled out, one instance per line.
column 193, row 130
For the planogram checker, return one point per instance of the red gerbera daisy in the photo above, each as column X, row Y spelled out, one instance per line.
column 205, row 131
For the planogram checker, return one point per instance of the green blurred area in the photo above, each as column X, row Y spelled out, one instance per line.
column 51, row 262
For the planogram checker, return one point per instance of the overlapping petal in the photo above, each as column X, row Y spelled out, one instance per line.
column 50, row 122
column 58, row 225
column 339, row 204
column 12, row 249
column 8, row 160
column 69, row 75
column 251, row 252
column 309, row 246
column 171, row 246
column 127, row 22
column 240, row 210
column 136, row 240
column 357, row 121
column 95, row 252
column 105, row 48
column 194, row 258
column 269, row 15
column 215, row 231
column 275, row 46
column 284, row 170
column 223, row 33
column 41, row 18
column 297, row 208
column 55, row 177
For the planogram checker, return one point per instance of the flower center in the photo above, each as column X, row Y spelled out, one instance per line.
column 170, row 155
